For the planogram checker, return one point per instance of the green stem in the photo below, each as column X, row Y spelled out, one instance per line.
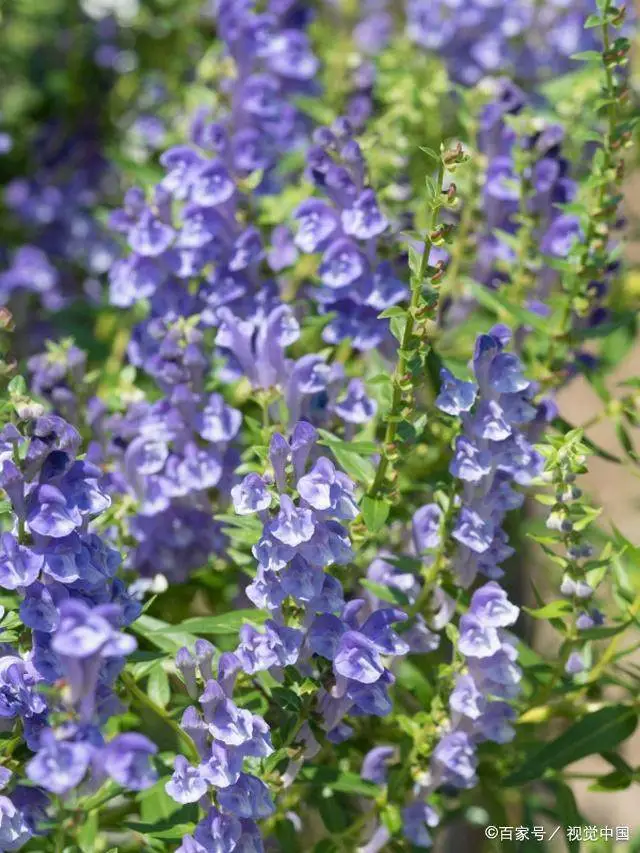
column 400, row 371
column 573, row 290
column 144, row 700
column 452, row 286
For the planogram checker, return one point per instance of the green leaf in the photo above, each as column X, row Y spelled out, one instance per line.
column 356, row 466
column 430, row 152
column 375, row 512
column 171, row 833
column 397, row 327
column 227, row 623
column 587, row 56
column 244, row 522
column 567, row 811
column 625, row 440
column 160, row 634
column 17, row 387
column 287, row 836
column 598, row 731
column 393, row 311
column 497, row 302
column 315, row 108
column 385, row 593
column 565, row 427
column 412, row 679
column 618, row 780
column 157, row 806
column 365, row 447
column 335, row 780
column 552, row 610
column 158, row 688
column 334, row 817
column 287, row 699
column 88, row 832
column 605, row 632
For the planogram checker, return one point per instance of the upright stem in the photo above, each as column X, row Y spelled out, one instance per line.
column 603, row 187
column 393, row 418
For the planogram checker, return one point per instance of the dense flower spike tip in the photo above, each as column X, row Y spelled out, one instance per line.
column 76, row 609
column 491, row 453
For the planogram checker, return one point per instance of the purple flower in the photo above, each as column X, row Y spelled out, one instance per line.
column 39, row 609
column 364, row 219
column 19, row 566
column 425, row 527
column 49, row 513
column 490, row 422
column 248, row 798
column 187, row 784
column 378, row 628
column 212, row 185
column 495, row 723
column 357, row 657
column 84, row 638
column 491, row 607
column 324, row 635
column 126, row 759
column 466, row 699
column 150, row 237
column 317, row 221
column 14, row 829
column 375, row 764
column 292, row 525
column 575, row 664
column 455, row 760
column 594, row 618
column 283, row 252
column 219, row 422
column 18, row 689
column 469, row 462
column 477, row 638
column 356, row 407
column 59, row 765
column 473, row 531
column 417, row 819
column 277, row 646
column 342, row 264
column 578, row 588
column 252, row 495
column 222, row 767
column 324, row 488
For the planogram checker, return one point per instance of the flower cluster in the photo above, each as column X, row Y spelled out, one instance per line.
column 477, row 38
column 67, row 244
column 170, row 455
column 491, row 453
column 225, row 737
column 488, row 676
column 371, row 35
column 75, row 608
column 356, row 284
column 526, row 176
column 274, row 61
column 184, row 438
column 299, row 542
column 310, row 387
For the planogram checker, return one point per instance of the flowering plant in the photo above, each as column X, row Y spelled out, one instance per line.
column 304, row 545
